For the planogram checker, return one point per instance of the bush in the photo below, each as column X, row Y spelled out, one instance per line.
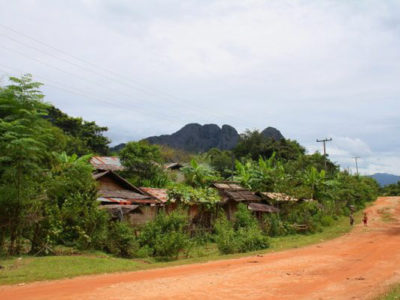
column 326, row 221
column 225, row 236
column 121, row 240
column 166, row 236
column 251, row 239
column 274, row 226
column 242, row 236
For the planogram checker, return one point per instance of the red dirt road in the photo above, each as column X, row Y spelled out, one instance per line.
column 358, row 265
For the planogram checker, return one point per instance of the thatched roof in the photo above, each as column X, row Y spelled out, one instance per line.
column 231, row 190
column 258, row 207
column 279, row 197
column 229, row 185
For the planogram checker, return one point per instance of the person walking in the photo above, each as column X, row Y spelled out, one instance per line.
column 351, row 219
column 365, row 219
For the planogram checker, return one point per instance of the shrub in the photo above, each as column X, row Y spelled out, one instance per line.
column 244, row 218
column 121, row 240
column 274, row 226
column 326, row 221
column 166, row 236
column 225, row 236
column 242, row 236
column 251, row 239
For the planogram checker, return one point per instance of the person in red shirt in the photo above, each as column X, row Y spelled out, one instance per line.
column 365, row 219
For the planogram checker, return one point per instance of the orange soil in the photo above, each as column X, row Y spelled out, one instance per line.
column 358, row 265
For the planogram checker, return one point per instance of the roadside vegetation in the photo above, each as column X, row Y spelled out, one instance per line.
column 392, row 294
column 391, row 190
column 70, row 262
column 48, row 195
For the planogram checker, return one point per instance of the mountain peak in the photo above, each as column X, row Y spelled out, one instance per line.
column 194, row 137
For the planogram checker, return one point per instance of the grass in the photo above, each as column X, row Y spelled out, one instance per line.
column 392, row 294
column 27, row 268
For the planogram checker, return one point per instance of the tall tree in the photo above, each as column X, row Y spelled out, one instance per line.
column 143, row 164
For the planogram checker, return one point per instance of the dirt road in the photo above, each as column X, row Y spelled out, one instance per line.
column 359, row 265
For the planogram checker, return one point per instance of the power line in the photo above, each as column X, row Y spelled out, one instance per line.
column 324, row 141
column 95, row 84
column 78, row 92
column 135, row 85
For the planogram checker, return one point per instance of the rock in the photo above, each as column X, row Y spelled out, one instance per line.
column 271, row 132
column 201, row 138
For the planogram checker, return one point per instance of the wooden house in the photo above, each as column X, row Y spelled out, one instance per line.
column 169, row 206
column 115, row 191
column 232, row 193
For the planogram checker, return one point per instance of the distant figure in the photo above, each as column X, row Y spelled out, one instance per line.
column 365, row 219
column 351, row 219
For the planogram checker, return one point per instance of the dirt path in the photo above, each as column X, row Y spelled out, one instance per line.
column 359, row 265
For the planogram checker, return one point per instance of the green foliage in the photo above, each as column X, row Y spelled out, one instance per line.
column 83, row 136
column 198, row 175
column 241, row 236
column 253, row 144
column 188, row 195
column 221, row 161
column 121, row 240
column 143, row 164
column 274, row 226
column 391, row 189
column 166, row 236
column 23, row 139
column 261, row 175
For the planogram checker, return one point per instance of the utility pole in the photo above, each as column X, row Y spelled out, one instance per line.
column 356, row 160
column 324, row 141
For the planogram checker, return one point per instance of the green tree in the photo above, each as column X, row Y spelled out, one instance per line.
column 222, row 161
column 23, row 156
column 253, row 144
column 198, row 175
column 83, row 137
column 143, row 164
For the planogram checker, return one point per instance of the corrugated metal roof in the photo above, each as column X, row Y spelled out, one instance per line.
column 126, row 201
column 160, row 194
column 113, row 200
column 111, row 163
column 123, row 194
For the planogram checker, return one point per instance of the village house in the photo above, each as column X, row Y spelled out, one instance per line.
column 121, row 198
column 232, row 193
column 169, row 206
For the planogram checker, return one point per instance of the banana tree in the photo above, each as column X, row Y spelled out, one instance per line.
column 314, row 180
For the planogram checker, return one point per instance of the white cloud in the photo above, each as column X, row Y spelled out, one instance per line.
column 309, row 68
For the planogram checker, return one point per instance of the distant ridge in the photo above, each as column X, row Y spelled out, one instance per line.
column 385, row 178
column 197, row 138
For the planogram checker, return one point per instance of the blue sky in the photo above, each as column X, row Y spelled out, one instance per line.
column 312, row 69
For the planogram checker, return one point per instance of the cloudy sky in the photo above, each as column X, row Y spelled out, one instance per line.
column 312, row 69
